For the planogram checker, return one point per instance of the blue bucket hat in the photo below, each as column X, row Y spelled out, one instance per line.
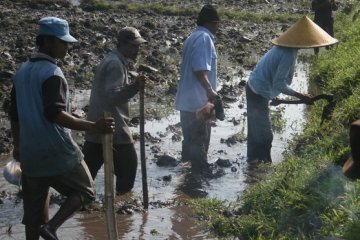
column 57, row 27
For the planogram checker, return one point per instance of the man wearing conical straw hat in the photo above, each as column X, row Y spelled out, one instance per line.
column 272, row 76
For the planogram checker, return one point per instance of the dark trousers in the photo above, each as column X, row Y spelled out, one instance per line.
column 327, row 24
column 125, row 163
column 75, row 183
column 196, row 140
column 260, row 136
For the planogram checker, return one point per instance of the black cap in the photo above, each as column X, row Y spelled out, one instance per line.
column 208, row 14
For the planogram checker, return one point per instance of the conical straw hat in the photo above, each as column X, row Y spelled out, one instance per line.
column 304, row 34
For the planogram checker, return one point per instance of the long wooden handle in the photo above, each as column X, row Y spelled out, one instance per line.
column 107, row 143
column 142, row 149
column 277, row 101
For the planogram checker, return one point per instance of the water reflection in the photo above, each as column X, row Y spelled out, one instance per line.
column 193, row 186
column 175, row 221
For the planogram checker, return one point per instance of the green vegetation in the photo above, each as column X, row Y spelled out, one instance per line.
column 257, row 17
column 237, row 137
column 154, row 232
column 278, row 123
column 97, row 5
column 307, row 196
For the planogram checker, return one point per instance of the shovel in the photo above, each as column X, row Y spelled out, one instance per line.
column 277, row 101
column 326, row 110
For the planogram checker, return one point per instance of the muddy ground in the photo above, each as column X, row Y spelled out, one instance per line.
column 239, row 44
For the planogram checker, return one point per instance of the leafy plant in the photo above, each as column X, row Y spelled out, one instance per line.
column 277, row 121
column 307, row 196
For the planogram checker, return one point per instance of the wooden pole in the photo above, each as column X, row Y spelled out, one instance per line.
column 107, row 143
column 142, row 148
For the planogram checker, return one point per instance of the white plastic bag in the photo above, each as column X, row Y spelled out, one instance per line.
column 12, row 172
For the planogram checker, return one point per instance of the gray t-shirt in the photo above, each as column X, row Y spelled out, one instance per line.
column 111, row 92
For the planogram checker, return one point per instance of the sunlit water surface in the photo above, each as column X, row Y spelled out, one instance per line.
column 176, row 222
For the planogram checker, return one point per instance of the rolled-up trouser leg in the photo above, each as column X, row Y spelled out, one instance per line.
column 260, row 135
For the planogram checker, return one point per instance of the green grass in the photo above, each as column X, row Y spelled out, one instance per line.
column 307, row 196
column 278, row 123
column 229, row 14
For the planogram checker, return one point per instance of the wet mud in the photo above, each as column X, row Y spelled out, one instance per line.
column 170, row 182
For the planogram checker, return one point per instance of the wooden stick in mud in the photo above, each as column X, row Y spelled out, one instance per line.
column 142, row 148
column 107, row 143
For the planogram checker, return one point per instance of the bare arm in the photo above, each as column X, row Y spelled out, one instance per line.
column 103, row 125
column 54, row 101
column 202, row 77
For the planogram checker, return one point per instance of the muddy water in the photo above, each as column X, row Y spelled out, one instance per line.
column 162, row 221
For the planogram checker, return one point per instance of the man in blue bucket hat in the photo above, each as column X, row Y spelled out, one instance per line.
column 41, row 125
